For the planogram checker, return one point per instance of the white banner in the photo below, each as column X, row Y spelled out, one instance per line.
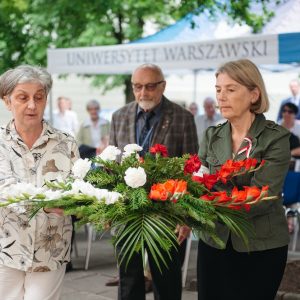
column 123, row 59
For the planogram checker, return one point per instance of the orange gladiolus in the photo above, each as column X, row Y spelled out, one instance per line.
column 164, row 191
column 253, row 192
column 180, row 187
column 170, row 186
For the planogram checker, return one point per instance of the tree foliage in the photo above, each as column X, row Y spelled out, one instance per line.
column 29, row 27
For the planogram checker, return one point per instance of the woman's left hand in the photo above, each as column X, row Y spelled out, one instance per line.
column 58, row 211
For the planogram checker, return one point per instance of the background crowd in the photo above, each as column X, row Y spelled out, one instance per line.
column 41, row 151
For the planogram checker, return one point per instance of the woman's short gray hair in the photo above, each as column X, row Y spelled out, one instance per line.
column 23, row 74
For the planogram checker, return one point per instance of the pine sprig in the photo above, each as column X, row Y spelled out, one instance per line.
column 138, row 198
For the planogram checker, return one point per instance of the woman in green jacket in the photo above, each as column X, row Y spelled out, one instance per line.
column 240, row 272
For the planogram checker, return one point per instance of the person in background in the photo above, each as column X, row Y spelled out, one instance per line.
column 209, row 118
column 295, row 99
column 93, row 134
column 228, row 273
column 64, row 119
column 153, row 119
column 193, row 109
column 289, row 121
column 35, row 250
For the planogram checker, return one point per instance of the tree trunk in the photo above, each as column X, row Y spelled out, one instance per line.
column 128, row 89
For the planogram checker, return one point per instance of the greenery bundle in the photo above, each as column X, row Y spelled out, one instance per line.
column 145, row 199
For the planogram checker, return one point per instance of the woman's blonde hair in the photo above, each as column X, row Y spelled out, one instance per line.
column 246, row 73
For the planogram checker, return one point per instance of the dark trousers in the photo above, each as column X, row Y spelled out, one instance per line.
column 231, row 275
column 166, row 285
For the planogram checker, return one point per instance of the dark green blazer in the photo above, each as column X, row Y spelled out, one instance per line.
column 271, row 143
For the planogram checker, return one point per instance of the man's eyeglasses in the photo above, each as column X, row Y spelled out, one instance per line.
column 287, row 111
column 148, row 87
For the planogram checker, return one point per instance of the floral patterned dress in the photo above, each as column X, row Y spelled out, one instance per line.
column 42, row 243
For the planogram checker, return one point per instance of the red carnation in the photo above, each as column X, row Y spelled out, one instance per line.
column 192, row 165
column 158, row 148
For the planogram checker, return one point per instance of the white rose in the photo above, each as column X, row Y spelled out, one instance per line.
column 201, row 171
column 110, row 153
column 130, row 148
column 135, row 177
column 81, row 167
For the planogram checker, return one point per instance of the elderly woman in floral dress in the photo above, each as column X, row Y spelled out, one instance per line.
column 33, row 252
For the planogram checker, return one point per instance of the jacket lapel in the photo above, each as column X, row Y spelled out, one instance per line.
column 131, row 123
column 222, row 146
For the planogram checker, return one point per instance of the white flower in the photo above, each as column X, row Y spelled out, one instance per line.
column 81, row 186
column 201, row 171
column 81, row 167
column 112, row 197
column 20, row 188
column 110, row 153
column 135, row 177
column 130, row 149
column 53, row 195
column 108, row 197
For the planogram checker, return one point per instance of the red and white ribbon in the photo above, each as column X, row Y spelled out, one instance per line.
column 247, row 148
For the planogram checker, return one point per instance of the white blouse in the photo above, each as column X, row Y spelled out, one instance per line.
column 43, row 243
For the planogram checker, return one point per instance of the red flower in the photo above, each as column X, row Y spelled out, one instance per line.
column 208, row 180
column 250, row 163
column 158, row 148
column 192, row 165
column 222, row 197
column 238, row 196
column 229, row 168
column 207, row 197
column 253, row 192
column 247, row 207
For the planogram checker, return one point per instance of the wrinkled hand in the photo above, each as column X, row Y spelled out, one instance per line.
column 58, row 211
column 182, row 233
